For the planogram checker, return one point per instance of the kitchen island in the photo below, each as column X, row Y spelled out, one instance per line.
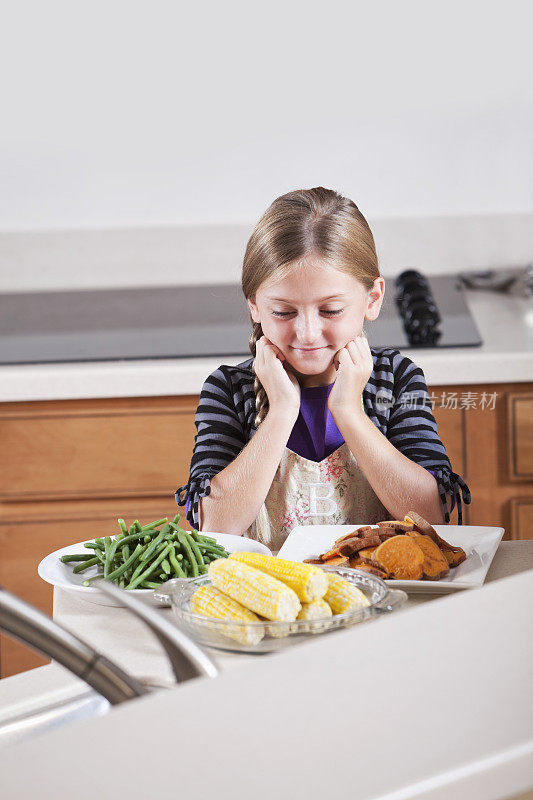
column 432, row 701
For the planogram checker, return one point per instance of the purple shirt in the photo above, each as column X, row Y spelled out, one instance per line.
column 315, row 435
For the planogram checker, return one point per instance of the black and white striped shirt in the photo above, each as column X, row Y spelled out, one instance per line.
column 395, row 398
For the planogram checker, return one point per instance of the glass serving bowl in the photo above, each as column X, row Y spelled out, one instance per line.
column 266, row 636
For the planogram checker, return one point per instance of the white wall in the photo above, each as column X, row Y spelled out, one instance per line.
column 125, row 114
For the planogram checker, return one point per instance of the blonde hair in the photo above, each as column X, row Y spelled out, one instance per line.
column 298, row 225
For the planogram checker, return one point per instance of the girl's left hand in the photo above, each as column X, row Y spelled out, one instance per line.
column 354, row 366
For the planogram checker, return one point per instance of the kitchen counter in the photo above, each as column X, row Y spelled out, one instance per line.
column 505, row 323
column 432, row 701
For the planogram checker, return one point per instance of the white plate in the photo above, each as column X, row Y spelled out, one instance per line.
column 479, row 543
column 54, row 571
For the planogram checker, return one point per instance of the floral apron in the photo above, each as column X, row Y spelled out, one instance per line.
column 330, row 492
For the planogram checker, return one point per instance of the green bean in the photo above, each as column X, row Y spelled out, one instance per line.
column 93, row 546
column 178, row 571
column 166, row 566
column 85, row 564
column 122, row 569
column 135, row 527
column 110, row 550
column 217, row 551
column 149, row 585
column 202, row 539
column 77, row 557
column 176, row 519
column 212, row 548
column 142, row 565
column 195, row 548
column 175, row 527
column 158, row 539
column 149, row 569
column 189, row 553
column 131, row 537
column 156, row 524
column 88, row 581
column 193, row 545
column 100, row 541
column 122, row 526
column 137, row 571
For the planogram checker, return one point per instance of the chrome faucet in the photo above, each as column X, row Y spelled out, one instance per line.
column 30, row 626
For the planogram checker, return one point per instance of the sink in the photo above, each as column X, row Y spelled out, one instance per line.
column 82, row 706
column 105, row 683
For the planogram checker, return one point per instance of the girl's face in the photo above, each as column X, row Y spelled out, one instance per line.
column 311, row 314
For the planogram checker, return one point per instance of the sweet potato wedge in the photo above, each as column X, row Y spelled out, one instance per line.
column 367, row 553
column 346, row 536
column 435, row 565
column 351, row 546
column 373, row 570
column 333, row 553
column 401, row 557
column 363, row 530
column 454, row 557
column 400, row 526
column 422, row 526
column 337, row 561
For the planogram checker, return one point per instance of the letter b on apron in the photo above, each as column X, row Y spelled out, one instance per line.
column 327, row 504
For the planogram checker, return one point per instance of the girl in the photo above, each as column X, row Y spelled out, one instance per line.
column 317, row 427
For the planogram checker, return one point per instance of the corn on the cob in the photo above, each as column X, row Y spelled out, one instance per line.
column 210, row 602
column 307, row 580
column 254, row 589
column 342, row 595
column 279, row 630
column 318, row 610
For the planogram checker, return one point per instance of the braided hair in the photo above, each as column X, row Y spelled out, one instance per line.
column 261, row 397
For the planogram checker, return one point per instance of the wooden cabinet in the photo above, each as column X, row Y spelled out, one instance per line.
column 75, row 466
column 492, row 449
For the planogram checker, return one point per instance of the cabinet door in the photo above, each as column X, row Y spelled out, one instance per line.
column 96, row 448
column 449, row 417
column 28, row 532
column 520, row 430
column 522, row 518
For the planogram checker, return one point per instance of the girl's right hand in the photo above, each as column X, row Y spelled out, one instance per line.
column 281, row 385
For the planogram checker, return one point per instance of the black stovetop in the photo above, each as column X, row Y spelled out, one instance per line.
column 199, row 321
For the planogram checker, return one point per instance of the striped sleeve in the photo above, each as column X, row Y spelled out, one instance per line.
column 412, row 429
column 218, row 441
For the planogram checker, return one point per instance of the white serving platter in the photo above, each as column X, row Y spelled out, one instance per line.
column 54, row 571
column 479, row 543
